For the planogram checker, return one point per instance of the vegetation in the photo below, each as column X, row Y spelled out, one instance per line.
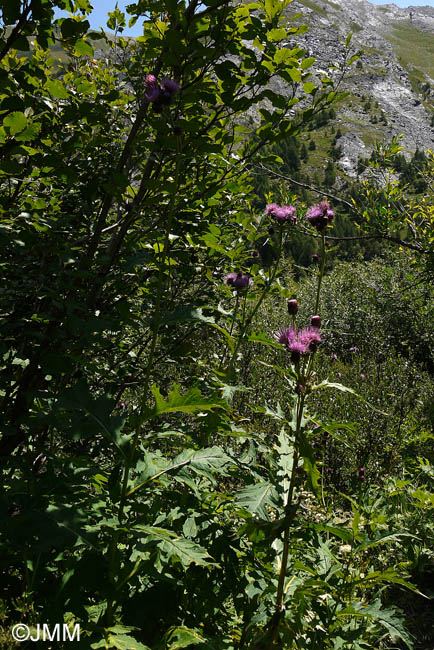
column 216, row 376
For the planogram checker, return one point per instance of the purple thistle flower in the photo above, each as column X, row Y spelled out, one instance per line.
column 160, row 95
column 297, row 349
column 281, row 213
column 362, row 376
column 320, row 215
column 270, row 208
column 310, row 337
column 285, row 335
column 298, row 343
column 354, row 349
column 239, row 281
column 123, row 405
column 170, row 86
column 152, row 92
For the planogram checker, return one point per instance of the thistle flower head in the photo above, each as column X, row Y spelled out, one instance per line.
column 152, row 92
column 281, row 213
column 310, row 337
column 239, row 281
column 315, row 321
column 320, row 215
column 170, row 86
column 299, row 343
column 160, row 95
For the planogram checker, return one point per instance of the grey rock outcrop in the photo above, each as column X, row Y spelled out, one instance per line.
column 395, row 74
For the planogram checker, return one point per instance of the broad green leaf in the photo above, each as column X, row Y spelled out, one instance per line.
column 119, row 641
column 56, row 89
column 343, row 533
column 309, row 465
column 83, row 48
column 190, row 402
column 255, row 498
column 190, row 313
column 31, row 132
column 309, row 87
column 388, row 619
column 277, row 34
column 285, row 451
column 295, row 74
column 204, row 462
column 171, row 547
column 307, row 63
column 183, row 637
column 15, row 122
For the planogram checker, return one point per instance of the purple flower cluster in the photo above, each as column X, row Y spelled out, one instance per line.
column 299, row 343
column 160, row 94
column 320, row 215
column 281, row 213
column 239, row 281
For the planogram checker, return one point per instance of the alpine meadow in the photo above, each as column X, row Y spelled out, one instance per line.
column 217, row 326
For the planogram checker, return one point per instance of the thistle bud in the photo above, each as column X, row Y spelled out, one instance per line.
column 292, row 307
column 255, row 253
column 315, row 321
column 362, row 474
column 315, row 258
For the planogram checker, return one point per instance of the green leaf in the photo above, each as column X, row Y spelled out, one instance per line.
column 190, row 313
column 31, row 132
column 182, row 637
column 121, row 642
column 309, row 87
column 203, row 462
column 295, row 74
column 255, row 498
column 15, row 122
column 285, row 450
column 171, row 548
column 388, row 619
column 309, row 465
column 277, row 34
column 191, row 402
column 56, row 89
column 348, row 39
column 343, row 533
column 83, row 48
column 265, row 340
column 307, row 63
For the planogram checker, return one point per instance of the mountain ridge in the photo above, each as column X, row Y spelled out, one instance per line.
column 396, row 70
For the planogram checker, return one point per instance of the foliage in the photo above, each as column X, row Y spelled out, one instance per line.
column 164, row 472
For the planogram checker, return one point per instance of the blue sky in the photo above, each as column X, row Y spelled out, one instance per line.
column 98, row 18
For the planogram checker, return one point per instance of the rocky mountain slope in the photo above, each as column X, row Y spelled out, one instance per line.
column 392, row 87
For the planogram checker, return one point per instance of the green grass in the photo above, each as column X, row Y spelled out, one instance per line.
column 414, row 48
column 314, row 7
